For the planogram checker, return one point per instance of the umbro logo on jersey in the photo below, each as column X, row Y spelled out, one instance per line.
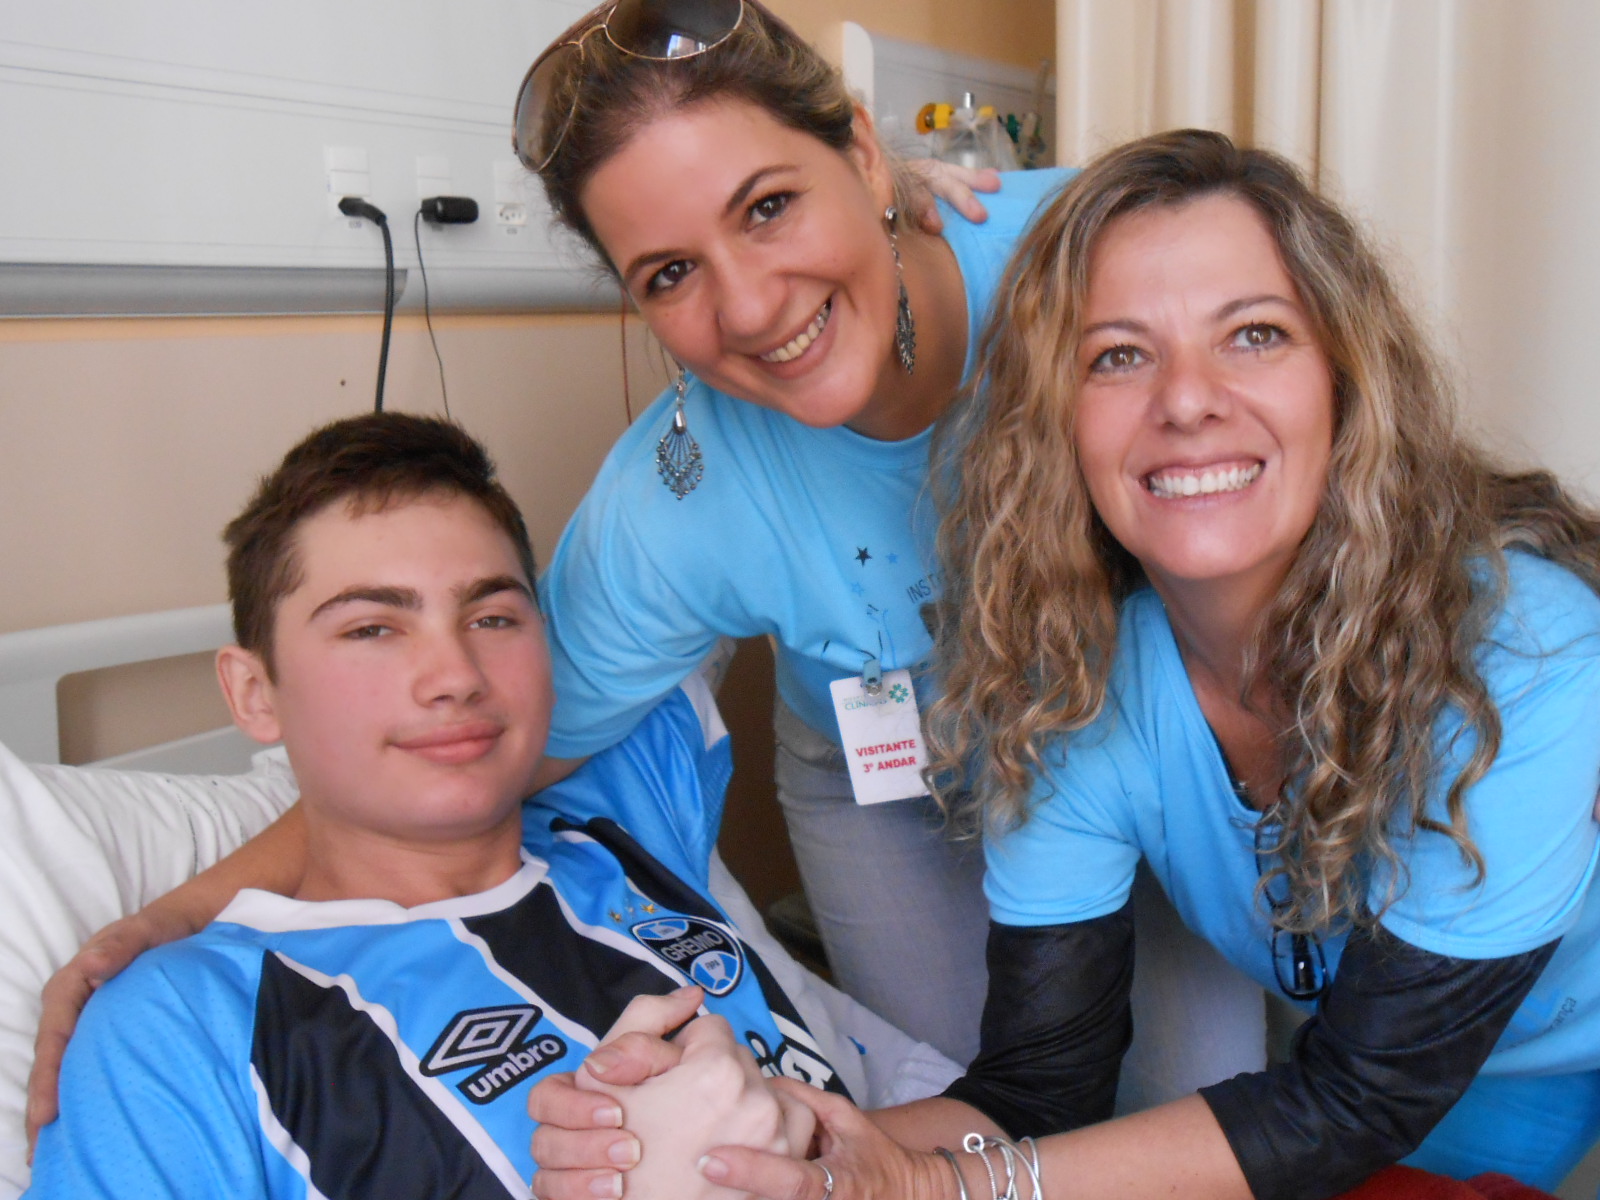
column 707, row 953
column 479, row 1035
column 493, row 1038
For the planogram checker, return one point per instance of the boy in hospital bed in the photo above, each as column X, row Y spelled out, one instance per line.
column 377, row 1034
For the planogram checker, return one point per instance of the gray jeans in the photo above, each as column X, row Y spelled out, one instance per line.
column 899, row 906
column 901, row 911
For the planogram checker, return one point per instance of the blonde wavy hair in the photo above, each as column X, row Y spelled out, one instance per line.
column 1372, row 634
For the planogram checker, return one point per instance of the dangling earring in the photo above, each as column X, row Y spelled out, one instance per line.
column 905, row 324
column 678, row 460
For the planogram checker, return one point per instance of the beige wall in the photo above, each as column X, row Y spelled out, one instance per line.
column 1014, row 31
column 128, row 444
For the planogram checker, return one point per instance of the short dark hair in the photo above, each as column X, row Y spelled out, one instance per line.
column 370, row 462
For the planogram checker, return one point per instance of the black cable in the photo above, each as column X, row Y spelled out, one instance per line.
column 427, row 310
column 355, row 206
column 388, row 311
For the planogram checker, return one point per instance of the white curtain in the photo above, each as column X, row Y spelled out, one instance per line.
column 1465, row 132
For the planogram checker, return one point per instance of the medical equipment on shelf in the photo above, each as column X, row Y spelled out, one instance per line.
column 967, row 135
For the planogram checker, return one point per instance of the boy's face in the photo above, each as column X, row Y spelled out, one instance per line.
column 413, row 681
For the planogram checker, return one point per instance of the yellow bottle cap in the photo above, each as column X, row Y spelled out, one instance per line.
column 933, row 116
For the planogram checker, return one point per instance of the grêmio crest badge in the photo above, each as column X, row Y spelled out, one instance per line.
column 708, row 954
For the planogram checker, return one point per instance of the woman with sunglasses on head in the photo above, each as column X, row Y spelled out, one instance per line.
column 1227, row 592
column 717, row 164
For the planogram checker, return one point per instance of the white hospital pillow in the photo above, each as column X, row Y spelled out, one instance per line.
column 80, row 847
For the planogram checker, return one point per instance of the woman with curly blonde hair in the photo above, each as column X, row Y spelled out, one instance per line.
column 1227, row 593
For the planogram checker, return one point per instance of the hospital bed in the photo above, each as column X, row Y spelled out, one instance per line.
column 81, row 846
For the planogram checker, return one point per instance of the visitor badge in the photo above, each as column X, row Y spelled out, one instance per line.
column 882, row 734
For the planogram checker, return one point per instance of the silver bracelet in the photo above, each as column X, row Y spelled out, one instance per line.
column 961, row 1184
column 976, row 1143
column 1010, row 1155
column 1033, row 1166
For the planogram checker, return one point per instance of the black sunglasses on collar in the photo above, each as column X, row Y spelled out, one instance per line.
column 1297, row 958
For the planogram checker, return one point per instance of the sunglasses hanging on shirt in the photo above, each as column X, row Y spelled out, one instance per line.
column 1297, row 958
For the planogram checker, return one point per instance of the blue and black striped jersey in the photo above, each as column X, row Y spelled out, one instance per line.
column 361, row 1049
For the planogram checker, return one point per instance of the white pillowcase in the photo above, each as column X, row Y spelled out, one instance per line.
column 80, row 847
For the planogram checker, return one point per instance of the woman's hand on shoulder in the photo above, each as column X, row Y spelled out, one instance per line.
column 956, row 186
column 104, row 955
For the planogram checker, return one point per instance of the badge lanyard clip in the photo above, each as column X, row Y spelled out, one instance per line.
column 872, row 676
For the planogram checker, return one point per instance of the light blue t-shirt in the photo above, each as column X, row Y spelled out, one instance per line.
column 1147, row 780
column 822, row 538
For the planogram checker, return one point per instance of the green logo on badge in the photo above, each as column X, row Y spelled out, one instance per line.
column 899, row 694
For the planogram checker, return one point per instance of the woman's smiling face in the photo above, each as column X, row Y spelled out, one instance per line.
column 757, row 254
column 1204, row 422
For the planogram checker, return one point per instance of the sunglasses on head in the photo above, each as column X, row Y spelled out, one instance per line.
column 660, row 30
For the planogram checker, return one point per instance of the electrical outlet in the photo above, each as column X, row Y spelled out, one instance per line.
column 511, row 183
column 348, row 174
column 433, row 176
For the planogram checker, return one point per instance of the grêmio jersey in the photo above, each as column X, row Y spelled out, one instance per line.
column 360, row 1049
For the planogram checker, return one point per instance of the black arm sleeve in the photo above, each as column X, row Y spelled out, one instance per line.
column 1055, row 1025
column 1396, row 1039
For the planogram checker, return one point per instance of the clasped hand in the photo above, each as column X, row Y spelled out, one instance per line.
column 699, row 1091
column 653, row 1120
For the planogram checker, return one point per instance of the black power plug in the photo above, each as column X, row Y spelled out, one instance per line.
column 450, row 210
column 355, row 206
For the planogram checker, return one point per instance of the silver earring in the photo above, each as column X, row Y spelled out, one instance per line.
column 905, row 324
column 678, row 460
